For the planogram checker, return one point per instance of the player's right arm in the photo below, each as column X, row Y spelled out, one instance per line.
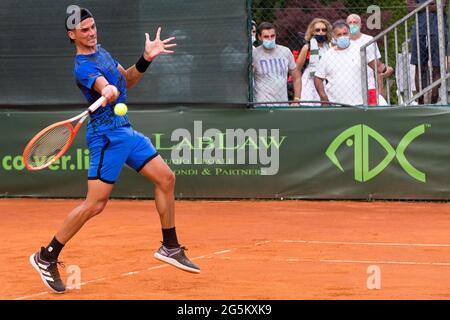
column 110, row 92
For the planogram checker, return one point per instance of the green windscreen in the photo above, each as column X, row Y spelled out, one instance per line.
column 209, row 64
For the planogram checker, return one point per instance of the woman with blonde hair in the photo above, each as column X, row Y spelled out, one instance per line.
column 318, row 36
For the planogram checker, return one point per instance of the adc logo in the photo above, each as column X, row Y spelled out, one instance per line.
column 358, row 137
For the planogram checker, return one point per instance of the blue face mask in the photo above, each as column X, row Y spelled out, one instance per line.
column 269, row 44
column 343, row 42
column 354, row 29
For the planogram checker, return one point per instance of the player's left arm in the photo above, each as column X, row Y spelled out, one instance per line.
column 152, row 49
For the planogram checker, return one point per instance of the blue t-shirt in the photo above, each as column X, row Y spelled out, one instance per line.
column 88, row 67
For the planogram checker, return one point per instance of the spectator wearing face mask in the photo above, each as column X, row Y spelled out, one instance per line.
column 420, row 37
column 341, row 67
column 253, row 33
column 318, row 36
column 384, row 71
column 271, row 65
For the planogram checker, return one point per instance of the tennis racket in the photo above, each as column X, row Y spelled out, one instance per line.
column 49, row 144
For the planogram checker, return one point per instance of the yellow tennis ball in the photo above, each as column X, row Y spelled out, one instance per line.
column 120, row 109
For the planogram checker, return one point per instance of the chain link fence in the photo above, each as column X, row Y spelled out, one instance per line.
column 341, row 73
column 214, row 62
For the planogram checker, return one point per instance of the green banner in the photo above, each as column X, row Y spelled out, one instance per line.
column 338, row 153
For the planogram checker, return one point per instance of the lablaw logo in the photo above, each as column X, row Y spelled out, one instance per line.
column 358, row 137
column 232, row 146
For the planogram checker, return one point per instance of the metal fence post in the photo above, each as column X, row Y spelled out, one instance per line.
column 364, row 84
column 442, row 55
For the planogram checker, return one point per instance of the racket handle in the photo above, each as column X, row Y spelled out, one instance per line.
column 96, row 104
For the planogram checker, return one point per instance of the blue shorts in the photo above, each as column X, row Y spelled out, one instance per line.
column 110, row 150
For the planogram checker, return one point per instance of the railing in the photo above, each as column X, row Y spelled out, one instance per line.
column 407, row 98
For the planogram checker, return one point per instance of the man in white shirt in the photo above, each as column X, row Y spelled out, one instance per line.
column 341, row 68
column 359, row 38
column 271, row 64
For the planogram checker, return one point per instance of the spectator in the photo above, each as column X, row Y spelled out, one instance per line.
column 318, row 37
column 360, row 39
column 424, row 42
column 253, row 33
column 271, row 64
column 295, row 43
column 341, row 67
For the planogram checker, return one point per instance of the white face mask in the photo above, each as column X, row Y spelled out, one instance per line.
column 253, row 39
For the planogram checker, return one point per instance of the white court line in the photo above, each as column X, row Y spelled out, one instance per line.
column 200, row 257
column 367, row 243
column 293, row 260
column 261, row 243
column 159, row 267
column 446, row 264
column 91, row 281
column 83, row 283
column 122, row 275
column 33, row 295
column 223, row 251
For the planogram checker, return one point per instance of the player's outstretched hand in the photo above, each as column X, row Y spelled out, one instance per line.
column 156, row 47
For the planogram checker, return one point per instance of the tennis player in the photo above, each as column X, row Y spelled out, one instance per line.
column 112, row 143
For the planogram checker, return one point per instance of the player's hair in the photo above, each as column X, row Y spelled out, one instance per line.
column 84, row 14
column 264, row 26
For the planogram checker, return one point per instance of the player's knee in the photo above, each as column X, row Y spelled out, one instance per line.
column 94, row 208
column 167, row 181
column 170, row 180
column 98, row 207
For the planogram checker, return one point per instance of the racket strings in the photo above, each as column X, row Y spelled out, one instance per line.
column 47, row 146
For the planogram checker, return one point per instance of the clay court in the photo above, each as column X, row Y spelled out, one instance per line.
column 291, row 250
